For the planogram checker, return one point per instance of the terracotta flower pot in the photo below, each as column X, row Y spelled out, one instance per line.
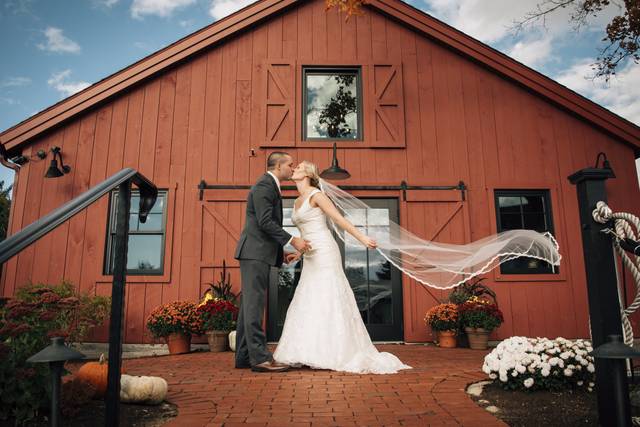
column 478, row 338
column 447, row 339
column 178, row 343
column 218, row 340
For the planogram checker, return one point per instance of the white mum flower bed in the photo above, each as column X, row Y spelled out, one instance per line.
column 541, row 364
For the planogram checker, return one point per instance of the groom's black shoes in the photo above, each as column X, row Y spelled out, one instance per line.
column 243, row 366
column 270, row 366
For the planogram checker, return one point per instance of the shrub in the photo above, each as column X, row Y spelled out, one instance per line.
column 27, row 322
column 218, row 315
column 478, row 313
column 175, row 317
column 472, row 288
column 442, row 317
column 521, row 363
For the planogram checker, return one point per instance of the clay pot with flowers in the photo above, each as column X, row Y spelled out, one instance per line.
column 176, row 322
column 443, row 319
column 479, row 318
column 218, row 319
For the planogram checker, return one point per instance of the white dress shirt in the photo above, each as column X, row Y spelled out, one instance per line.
column 278, row 184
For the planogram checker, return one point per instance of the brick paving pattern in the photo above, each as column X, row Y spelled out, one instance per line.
column 209, row 391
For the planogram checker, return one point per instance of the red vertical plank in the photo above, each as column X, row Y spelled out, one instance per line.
column 63, row 190
column 319, row 32
column 227, row 114
column 164, row 129
column 81, row 178
column 211, row 140
column 149, row 130
column 180, row 130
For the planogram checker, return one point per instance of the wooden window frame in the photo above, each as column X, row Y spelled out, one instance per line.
column 351, row 70
column 556, row 216
column 165, row 277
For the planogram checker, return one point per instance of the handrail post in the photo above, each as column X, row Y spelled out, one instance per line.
column 112, row 415
column 602, row 292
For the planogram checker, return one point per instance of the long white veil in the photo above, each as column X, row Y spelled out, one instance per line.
column 438, row 265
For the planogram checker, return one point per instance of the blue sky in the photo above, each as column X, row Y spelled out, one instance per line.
column 52, row 49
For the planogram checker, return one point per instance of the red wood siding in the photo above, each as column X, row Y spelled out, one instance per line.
column 199, row 120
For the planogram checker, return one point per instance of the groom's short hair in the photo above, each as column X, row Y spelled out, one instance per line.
column 276, row 158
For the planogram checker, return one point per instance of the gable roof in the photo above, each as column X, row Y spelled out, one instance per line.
column 263, row 9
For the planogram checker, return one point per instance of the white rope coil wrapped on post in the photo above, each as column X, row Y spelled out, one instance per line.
column 625, row 226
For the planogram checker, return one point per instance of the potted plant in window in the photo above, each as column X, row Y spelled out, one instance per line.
column 175, row 322
column 218, row 319
column 479, row 318
column 443, row 319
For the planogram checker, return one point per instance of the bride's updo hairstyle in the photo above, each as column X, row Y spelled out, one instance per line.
column 311, row 170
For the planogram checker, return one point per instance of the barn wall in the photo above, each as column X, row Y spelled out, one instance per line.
column 200, row 119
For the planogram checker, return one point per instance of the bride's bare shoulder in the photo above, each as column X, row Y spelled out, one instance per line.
column 316, row 197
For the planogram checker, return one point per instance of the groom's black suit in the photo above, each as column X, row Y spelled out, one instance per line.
column 260, row 246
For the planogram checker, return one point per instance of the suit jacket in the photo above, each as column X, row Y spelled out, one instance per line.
column 262, row 237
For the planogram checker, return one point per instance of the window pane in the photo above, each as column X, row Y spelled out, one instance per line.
column 332, row 105
column 533, row 204
column 535, row 221
column 144, row 254
column 510, row 221
column 154, row 223
column 509, row 204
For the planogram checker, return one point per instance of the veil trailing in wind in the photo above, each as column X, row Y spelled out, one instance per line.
column 438, row 265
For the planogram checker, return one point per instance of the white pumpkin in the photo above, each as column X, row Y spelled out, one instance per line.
column 232, row 340
column 149, row 390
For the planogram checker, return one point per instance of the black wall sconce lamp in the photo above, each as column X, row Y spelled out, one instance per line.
column 335, row 171
column 54, row 171
column 605, row 163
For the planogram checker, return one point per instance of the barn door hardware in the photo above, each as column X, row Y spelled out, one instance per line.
column 461, row 186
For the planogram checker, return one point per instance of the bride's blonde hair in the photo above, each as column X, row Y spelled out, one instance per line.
column 311, row 170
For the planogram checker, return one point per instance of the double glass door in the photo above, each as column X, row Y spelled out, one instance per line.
column 376, row 284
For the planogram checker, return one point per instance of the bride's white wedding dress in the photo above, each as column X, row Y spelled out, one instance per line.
column 323, row 328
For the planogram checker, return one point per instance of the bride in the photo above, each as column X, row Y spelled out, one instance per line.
column 323, row 328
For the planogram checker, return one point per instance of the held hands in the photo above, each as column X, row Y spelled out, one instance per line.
column 290, row 257
column 301, row 245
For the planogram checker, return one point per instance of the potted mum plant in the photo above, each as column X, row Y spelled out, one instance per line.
column 222, row 289
column 218, row 318
column 175, row 322
column 479, row 318
column 443, row 319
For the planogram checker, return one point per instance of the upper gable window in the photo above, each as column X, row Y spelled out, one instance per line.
column 333, row 104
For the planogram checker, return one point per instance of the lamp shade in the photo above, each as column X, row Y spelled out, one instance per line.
column 56, row 352
column 53, row 171
column 335, row 171
column 614, row 348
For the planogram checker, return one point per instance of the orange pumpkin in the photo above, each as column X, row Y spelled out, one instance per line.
column 96, row 373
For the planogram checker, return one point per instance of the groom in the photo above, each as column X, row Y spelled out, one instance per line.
column 261, row 246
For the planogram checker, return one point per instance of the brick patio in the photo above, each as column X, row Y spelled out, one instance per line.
column 210, row 392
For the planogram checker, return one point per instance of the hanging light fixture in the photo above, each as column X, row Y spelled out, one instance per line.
column 335, row 171
column 53, row 171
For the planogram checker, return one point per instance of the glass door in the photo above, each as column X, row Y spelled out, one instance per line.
column 375, row 282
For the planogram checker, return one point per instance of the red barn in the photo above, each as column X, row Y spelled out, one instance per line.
column 483, row 142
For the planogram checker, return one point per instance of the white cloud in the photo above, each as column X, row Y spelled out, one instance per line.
column 9, row 101
column 15, row 82
column 186, row 23
column 163, row 8
column 533, row 52
column 60, row 82
column 620, row 95
column 109, row 3
column 58, row 42
column 221, row 8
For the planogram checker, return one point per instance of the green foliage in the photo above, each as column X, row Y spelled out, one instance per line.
column 222, row 289
column 5, row 207
column 472, row 288
column 37, row 313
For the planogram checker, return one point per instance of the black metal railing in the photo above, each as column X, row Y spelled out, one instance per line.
column 23, row 238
